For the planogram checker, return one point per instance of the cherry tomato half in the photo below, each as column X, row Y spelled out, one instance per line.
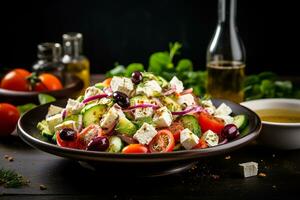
column 16, row 80
column 9, row 116
column 209, row 122
column 201, row 145
column 162, row 142
column 176, row 128
column 135, row 148
column 87, row 134
column 47, row 82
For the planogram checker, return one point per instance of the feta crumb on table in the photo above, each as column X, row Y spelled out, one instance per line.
column 249, row 169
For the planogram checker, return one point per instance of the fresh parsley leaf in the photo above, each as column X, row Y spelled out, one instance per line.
column 184, row 65
column 116, row 71
column 45, row 98
column 158, row 62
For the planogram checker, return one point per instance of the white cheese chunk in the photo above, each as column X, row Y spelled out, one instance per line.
column 208, row 106
column 149, row 88
column 186, row 100
column 145, row 134
column 53, row 121
column 142, row 113
column 53, row 110
column 223, row 109
column 122, row 84
column 227, row 118
column 110, row 118
column 66, row 124
column 176, row 84
column 162, row 117
column 249, row 169
column 73, row 107
column 92, row 91
column 188, row 139
column 211, row 138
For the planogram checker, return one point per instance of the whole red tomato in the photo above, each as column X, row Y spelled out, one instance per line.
column 16, row 80
column 9, row 116
column 47, row 82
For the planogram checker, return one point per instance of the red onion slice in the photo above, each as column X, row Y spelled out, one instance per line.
column 223, row 142
column 189, row 110
column 64, row 113
column 187, row 91
column 98, row 96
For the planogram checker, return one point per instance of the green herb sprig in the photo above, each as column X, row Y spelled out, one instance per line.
column 11, row 179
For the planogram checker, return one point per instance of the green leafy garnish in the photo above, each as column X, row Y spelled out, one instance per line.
column 24, row 108
column 11, row 179
column 45, row 98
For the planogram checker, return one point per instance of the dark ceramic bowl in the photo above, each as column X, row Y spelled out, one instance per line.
column 72, row 86
column 137, row 164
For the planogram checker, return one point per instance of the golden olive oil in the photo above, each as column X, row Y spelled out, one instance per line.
column 225, row 80
column 80, row 68
column 279, row 115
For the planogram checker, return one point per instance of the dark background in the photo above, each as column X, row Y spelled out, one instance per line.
column 130, row 30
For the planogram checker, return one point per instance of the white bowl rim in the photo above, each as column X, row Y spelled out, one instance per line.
column 278, row 100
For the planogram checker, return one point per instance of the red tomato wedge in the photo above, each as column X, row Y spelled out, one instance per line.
column 162, row 142
column 209, row 122
column 176, row 128
column 135, row 148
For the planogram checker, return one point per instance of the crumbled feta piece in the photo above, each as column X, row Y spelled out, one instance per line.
column 163, row 117
column 188, row 139
column 122, row 84
column 110, row 118
column 223, row 109
column 66, row 124
column 142, row 113
column 186, row 100
column 145, row 134
column 176, row 84
column 249, row 169
column 92, row 91
column 73, row 107
column 53, row 110
column 211, row 138
column 227, row 118
column 53, row 121
column 149, row 88
column 208, row 106
column 105, row 101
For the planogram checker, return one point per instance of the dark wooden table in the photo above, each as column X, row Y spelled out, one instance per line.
column 212, row 178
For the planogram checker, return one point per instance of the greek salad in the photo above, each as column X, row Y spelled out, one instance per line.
column 141, row 114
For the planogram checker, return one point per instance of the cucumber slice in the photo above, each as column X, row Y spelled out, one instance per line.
column 241, row 121
column 92, row 114
column 190, row 122
column 115, row 144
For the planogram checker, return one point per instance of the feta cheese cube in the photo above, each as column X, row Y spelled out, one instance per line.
column 66, row 124
column 177, row 84
column 92, row 91
column 208, row 106
column 73, row 107
column 110, row 118
column 223, row 109
column 142, row 113
column 53, row 121
column 145, row 134
column 149, row 88
column 227, row 118
column 186, row 100
column 122, row 84
column 163, row 117
column 188, row 139
column 53, row 110
column 211, row 138
column 249, row 169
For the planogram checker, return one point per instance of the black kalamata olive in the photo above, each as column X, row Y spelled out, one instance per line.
column 68, row 134
column 121, row 99
column 230, row 132
column 136, row 77
column 100, row 143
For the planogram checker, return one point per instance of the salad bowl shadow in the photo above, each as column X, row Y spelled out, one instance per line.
column 151, row 164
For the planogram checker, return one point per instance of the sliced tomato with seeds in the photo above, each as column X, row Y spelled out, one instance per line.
column 162, row 142
column 176, row 128
column 209, row 122
column 87, row 134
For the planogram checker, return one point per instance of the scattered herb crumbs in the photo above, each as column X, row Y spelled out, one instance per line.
column 11, row 179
